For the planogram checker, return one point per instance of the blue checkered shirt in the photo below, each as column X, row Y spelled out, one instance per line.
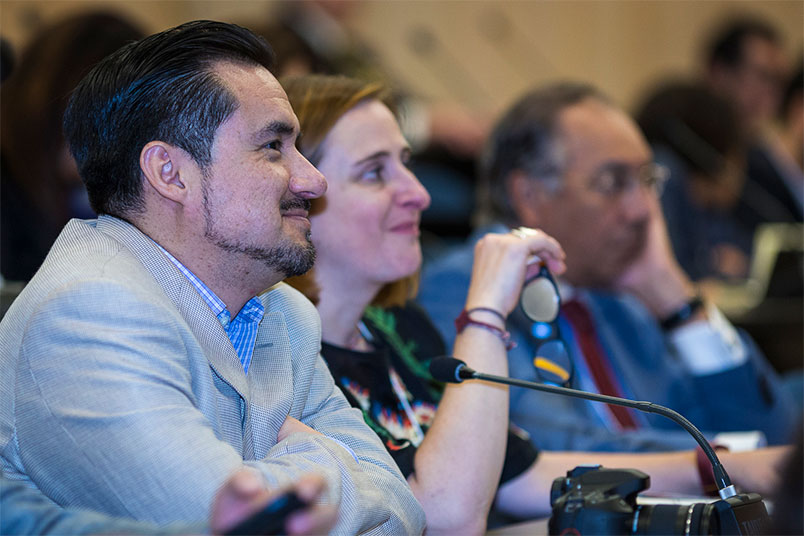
column 242, row 331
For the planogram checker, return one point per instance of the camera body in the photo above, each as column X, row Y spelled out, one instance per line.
column 595, row 500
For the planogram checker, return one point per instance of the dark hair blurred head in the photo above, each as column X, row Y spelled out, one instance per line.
column 35, row 95
column 163, row 88
column 699, row 126
column 747, row 63
column 727, row 44
column 7, row 59
column 704, row 131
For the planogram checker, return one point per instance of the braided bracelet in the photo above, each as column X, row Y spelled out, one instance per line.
column 464, row 320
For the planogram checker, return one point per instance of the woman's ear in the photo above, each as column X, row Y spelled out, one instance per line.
column 527, row 196
column 159, row 162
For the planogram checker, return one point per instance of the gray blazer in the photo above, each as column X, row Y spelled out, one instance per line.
column 122, row 393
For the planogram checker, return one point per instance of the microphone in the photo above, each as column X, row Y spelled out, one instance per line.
column 451, row 370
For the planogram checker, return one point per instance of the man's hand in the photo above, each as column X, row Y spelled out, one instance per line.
column 245, row 493
column 291, row 426
column 655, row 277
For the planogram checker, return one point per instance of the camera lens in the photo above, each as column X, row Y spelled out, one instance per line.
column 663, row 519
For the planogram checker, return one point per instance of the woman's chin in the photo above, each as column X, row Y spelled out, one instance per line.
column 405, row 267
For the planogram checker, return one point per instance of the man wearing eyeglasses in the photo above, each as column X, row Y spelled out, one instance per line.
column 566, row 160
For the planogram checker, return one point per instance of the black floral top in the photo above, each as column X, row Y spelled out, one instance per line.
column 393, row 387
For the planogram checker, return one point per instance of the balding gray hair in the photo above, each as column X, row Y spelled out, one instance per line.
column 526, row 139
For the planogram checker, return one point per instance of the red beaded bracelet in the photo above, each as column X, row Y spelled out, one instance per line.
column 464, row 320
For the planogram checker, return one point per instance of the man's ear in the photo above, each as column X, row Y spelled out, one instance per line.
column 160, row 163
column 528, row 197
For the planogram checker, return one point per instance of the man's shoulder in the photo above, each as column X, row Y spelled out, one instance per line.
column 87, row 263
column 84, row 249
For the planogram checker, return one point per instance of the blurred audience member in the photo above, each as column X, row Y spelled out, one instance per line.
column 747, row 64
column 6, row 59
column 787, row 150
column 788, row 517
column 41, row 188
column 566, row 160
column 696, row 135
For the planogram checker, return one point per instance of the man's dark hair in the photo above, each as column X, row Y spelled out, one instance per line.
column 699, row 126
column 159, row 88
column 525, row 139
column 726, row 46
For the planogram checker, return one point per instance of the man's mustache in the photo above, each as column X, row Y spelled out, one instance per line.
column 295, row 203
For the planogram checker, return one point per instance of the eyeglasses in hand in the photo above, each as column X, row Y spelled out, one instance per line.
column 541, row 303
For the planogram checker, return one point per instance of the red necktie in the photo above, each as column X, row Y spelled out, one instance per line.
column 578, row 316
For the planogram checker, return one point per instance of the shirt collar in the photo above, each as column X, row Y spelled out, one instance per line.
column 252, row 311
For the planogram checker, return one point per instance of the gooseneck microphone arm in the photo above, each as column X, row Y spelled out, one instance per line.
column 451, row 370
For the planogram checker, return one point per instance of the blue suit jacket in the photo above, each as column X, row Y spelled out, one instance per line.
column 123, row 394
column 746, row 397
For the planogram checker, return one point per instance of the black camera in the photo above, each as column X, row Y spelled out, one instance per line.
column 595, row 500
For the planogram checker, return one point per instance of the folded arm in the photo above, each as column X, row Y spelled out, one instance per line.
column 119, row 411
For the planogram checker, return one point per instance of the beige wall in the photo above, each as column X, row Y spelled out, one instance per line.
column 487, row 52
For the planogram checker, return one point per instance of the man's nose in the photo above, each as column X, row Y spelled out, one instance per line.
column 306, row 181
column 636, row 202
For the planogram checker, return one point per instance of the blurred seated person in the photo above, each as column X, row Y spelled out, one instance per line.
column 566, row 160
column 453, row 443
column 26, row 511
column 41, row 188
column 7, row 59
column 787, row 147
column 789, row 495
column 746, row 63
column 697, row 136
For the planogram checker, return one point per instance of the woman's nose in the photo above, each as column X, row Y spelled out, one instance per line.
column 413, row 193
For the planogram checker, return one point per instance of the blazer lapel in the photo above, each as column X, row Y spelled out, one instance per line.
column 271, row 376
column 208, row 331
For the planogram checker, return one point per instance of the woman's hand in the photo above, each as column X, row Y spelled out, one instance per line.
column 500, row 264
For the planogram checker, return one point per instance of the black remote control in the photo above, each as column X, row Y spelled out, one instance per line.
column 270, row 519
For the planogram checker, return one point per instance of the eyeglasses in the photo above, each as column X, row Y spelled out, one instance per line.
column 615, row 180
column 541, row 302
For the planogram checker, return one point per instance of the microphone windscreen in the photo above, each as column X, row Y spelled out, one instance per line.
column 445, row 369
